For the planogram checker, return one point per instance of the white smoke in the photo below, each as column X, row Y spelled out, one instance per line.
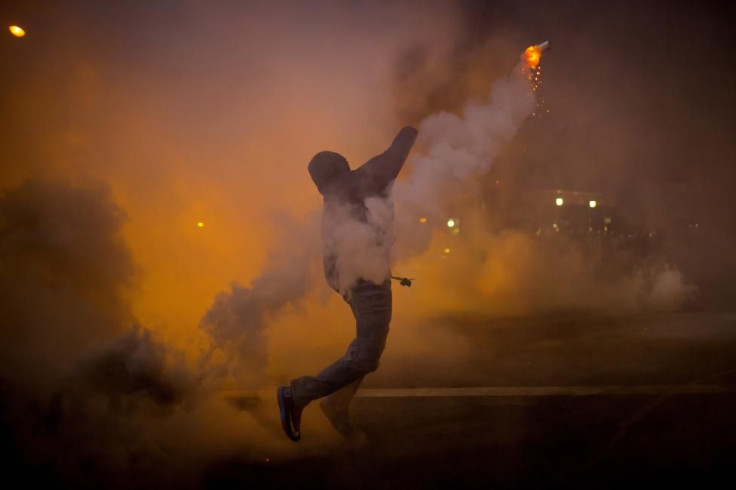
column 455, row 151
column 362, row 248
column 667, row 290
column 509, row 272
column 237, row 320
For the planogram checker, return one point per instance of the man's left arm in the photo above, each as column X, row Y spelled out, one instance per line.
column 378, row 172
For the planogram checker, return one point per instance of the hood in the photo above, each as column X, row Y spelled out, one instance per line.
column 326, row 169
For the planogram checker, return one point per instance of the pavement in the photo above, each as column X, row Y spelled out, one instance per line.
column 552, row 401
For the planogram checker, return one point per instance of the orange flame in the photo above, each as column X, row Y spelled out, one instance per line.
column 532, row 54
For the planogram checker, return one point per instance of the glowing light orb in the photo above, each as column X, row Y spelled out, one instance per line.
column 451, row 223
column 17, row 31
column 200, row 224
column 532, row 56
column 422, row 220
column 447, row 250
column 559, row 201
column 592, row 204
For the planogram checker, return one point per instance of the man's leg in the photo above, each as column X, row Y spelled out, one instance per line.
column 371, row 305
column 336, row 408
column 342, row 397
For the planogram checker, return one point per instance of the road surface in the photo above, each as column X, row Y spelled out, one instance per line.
column 560, row 401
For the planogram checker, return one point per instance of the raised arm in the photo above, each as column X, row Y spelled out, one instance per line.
column 378, row 172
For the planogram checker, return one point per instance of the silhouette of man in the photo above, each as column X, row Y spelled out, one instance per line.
column 357, row 222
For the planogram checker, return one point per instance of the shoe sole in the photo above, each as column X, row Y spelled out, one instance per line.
column 285, row 417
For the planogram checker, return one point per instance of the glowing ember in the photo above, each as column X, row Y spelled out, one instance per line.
column 17, row 31
column 532, row 55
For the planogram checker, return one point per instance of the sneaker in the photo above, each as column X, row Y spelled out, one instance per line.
column 291, row 415
column 338, row 417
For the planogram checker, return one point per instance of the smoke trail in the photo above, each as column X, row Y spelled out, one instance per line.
column 236, row 321
column 457, row 150
column 510, row 272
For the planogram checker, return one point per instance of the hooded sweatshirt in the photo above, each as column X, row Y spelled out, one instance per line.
column 357, row 217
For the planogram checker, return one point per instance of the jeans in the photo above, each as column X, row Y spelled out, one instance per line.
column 371, row 306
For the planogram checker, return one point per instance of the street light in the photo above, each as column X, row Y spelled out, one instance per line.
column 17, row 31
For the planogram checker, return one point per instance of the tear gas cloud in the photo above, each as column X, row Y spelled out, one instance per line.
column 126, row 322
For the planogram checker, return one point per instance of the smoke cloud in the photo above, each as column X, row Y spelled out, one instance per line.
column 237, row 320
column 65, row 274
column 458, row 150
column 75, row 370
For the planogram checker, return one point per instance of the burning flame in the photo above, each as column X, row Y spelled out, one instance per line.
column 532, row 55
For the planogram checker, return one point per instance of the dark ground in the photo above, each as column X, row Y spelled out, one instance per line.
column 682, row 435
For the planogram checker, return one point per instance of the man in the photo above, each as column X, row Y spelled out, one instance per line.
column 356, row 237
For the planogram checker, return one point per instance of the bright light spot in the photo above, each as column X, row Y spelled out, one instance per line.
column 447, row 250
column 559, row 201
column 532, row 55
column 450, row 223
column 17, row 31
column 200, row 224
column 592, row 204
column 422, row 220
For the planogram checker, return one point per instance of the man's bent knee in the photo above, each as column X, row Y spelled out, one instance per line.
column 367, row 364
